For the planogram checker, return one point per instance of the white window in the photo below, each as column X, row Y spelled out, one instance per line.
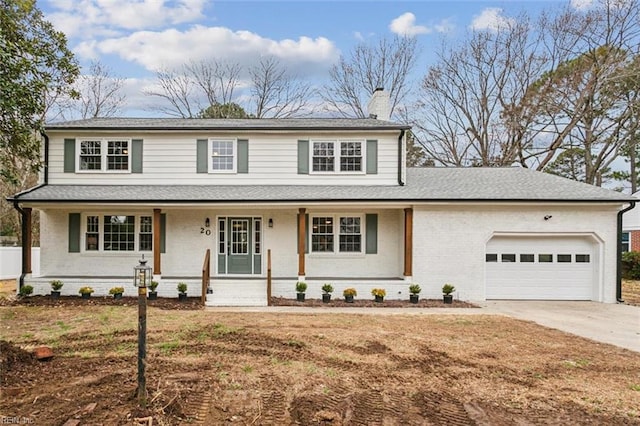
column 104, row 155
column 118, row 232
column 325, row 233
column 222, row 156
column 338, row 156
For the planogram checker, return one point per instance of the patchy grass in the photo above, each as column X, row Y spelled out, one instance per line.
column 319, row 368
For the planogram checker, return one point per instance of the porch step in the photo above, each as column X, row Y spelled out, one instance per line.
column 237, row 293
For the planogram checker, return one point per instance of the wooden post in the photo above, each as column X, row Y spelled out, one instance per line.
column 269, row 277
column 408, row 242
column 157, row 270
column 302, row 244
column 142, row 343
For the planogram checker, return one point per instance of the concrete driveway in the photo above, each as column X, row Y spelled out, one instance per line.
column 603, row 322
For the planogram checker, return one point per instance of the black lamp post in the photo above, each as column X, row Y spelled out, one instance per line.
column 141, row 279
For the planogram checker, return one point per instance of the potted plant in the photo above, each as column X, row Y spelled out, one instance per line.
column 117, row 292
column 182, row 291
column 447, row 297
column 26, row 290
column 327, row 289
column 301, row 287
column 379, row 294
column 56, row 285
column 415, row 290
column 153, row 294
column 349, row 294
column 85, row 292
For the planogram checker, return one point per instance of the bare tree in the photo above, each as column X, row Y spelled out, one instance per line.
column 177, row 91
column 460, row 115
column 216, row 80
column 99, row 93
column 386, row 64
column 277, row 94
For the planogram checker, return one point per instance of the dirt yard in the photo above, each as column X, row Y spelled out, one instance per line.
column 207, row 367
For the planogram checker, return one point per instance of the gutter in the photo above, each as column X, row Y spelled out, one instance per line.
column 619, row 253
column 400, row 165
column 46, row 158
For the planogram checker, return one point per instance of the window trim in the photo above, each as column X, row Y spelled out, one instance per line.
column 336, row 234
column 104, row 149
column 337, row 156
column 234, row 155
column 101, row 240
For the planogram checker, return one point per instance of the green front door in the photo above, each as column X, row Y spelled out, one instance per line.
column 239, row 245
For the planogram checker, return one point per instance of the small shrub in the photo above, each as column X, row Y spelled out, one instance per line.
column 26, row 290
column 182, row 287
column 116, row 290
column 447, row 289
column 301, row 287
column 631, row 265
column 85, row 290
column 327, row 288
column 379, row 292
column 414, row 289
column 153, row 285
column 350, row 292
column 56, row 285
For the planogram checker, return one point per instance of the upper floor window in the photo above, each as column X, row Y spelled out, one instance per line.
column 345, row 156
column 104, row 155
column 222, row 155
column 625, row 241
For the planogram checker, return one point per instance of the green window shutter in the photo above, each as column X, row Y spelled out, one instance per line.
column 372, row 157
column 163, row 232
column 372, row 233
column 74, row 232
column 136, row 156
column 306, row 233
column 69, row 155
column 243, row 156
column 202, row 154
column 303, row 157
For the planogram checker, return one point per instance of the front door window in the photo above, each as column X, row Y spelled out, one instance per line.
column 239, row 236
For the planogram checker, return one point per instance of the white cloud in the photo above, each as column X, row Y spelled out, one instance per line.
column 170, row 48
column 581, row 4
column 492, row 19
column 88, row 18
column 405, row 25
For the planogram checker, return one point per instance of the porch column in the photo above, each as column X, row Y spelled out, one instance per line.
column 156, row 242
column 408, row 242
column 26, row 240
column 302, row 244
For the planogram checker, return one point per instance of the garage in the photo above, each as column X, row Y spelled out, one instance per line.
column 541, row 268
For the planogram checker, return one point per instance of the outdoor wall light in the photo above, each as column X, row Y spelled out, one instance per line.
column 270, row 223
column 547, row 217
column 207, row 223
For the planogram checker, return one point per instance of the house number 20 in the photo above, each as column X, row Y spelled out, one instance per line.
column 205, row 231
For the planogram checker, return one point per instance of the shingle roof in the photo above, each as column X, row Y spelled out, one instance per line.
column 116, row 123
column 423, row 185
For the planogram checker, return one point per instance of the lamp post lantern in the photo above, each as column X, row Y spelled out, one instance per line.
column 141, row 279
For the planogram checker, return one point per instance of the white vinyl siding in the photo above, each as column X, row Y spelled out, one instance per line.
column 171, row 159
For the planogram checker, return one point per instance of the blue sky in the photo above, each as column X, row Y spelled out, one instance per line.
column 137, row 37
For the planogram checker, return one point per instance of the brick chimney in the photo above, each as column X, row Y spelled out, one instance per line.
column 378, row 107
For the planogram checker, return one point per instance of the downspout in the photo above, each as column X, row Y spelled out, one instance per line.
column 619, row 253
column 24, row 242
column 46, row 159
column 400, row 165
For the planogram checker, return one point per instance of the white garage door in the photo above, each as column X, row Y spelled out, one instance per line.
column 541, row 268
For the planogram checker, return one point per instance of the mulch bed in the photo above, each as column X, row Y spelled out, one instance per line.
column 192, row 303
column 370, row 303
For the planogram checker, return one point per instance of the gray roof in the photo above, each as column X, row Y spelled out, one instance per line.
column 423, row 185
column 116, row 123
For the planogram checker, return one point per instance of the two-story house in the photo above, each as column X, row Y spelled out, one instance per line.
column 319, row 200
